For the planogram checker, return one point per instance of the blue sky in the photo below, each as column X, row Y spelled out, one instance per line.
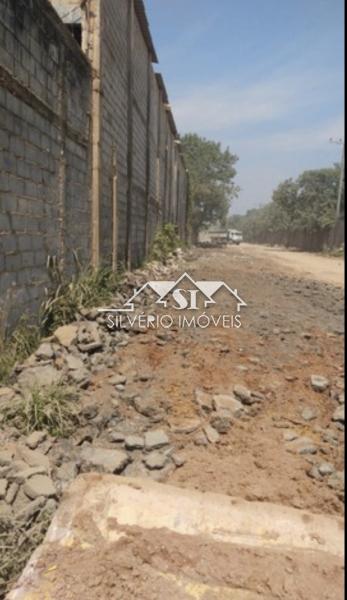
column 264, row 77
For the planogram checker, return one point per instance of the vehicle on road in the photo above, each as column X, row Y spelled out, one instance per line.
column 234, row 236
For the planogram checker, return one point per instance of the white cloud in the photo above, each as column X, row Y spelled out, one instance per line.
column 294, row 140
column 213, row 108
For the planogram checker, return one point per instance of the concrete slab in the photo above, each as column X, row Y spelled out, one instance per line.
column 181, row 543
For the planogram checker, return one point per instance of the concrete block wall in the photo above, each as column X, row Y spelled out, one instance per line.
column 47, row 140
column 44, row 189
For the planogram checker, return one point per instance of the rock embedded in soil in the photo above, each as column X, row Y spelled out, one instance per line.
column 117, row 380
column 290, row 436
column 147, row 407
column 243, row 394
column 103, row 459
column 116, row 436
column 326, row 469
column 156, row 460
column 6, row 457
column 302, row 445
column 339, row 414
column 178, row 459
column 223, row 402
column 204, row 401
column 35, row 439
column 66, row 335
column 33, row 458
column 221, row 422
column 74, row 363
column 3, row 488
column 186, row 427
column 12, row 492
column 309, row 414
column 24, row 474
column 134, row 442
column 45, row 351
column 39, row 485
column 156, row 439
column 67, row 471
column 211, row 434
column 319, row 383
column 40, row 376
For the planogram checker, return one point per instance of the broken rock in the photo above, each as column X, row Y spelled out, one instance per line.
column 156, row 460
column 3, row 488
column 35, row 438
column 339, row 414
column 103, row 459
column 211, row 434
column 222, row 402
column 243, row 394
column 39, row 376
column 134, row 442
column 156, row 439
column 39, row 485
column 319, row 383
column 66, row 335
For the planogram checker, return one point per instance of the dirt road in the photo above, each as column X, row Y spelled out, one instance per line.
column 285, row 446
column 291, row 329
column 304, row 264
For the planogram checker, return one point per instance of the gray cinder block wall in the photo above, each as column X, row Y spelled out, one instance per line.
column 90, row 156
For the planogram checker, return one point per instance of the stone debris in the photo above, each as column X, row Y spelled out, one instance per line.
column 35, row 439
column 339, row 414
column 3, row 488
column 66, row 335
column 211, row 434
column 204, row 401
column 222, row 402
column 103, row 459
column 41, row 376
column 302, row 445
column 243, row 394
column 134, row 442
column 39, row 485
column 156, row 439
column 156, row 460
column 309, row 414
column 221, row 421
column 186, row 427
column 319, row 383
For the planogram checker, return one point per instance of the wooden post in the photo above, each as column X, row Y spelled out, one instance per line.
column 114, row 212
column 130, row 90
column 95, row 25
column 148, row 152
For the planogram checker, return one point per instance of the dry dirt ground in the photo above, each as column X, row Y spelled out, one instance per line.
column 305, row 264
column 292, row 328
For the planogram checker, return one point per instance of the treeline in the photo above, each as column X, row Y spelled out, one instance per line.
column 302, row 212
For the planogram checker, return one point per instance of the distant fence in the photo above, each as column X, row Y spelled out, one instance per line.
column 311, row 241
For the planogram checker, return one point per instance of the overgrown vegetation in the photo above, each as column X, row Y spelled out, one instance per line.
column 89, row 288
column 51, row 408
column 18, row 540
column 306, row 205
column 17, row 346
column 165, row 242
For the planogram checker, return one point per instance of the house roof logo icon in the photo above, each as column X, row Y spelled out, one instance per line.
column 163, row 289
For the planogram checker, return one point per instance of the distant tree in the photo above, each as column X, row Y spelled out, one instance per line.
column 307, row 204
column 212, row 187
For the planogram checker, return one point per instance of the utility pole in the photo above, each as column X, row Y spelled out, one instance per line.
column 334, row 233
column 340, row 142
